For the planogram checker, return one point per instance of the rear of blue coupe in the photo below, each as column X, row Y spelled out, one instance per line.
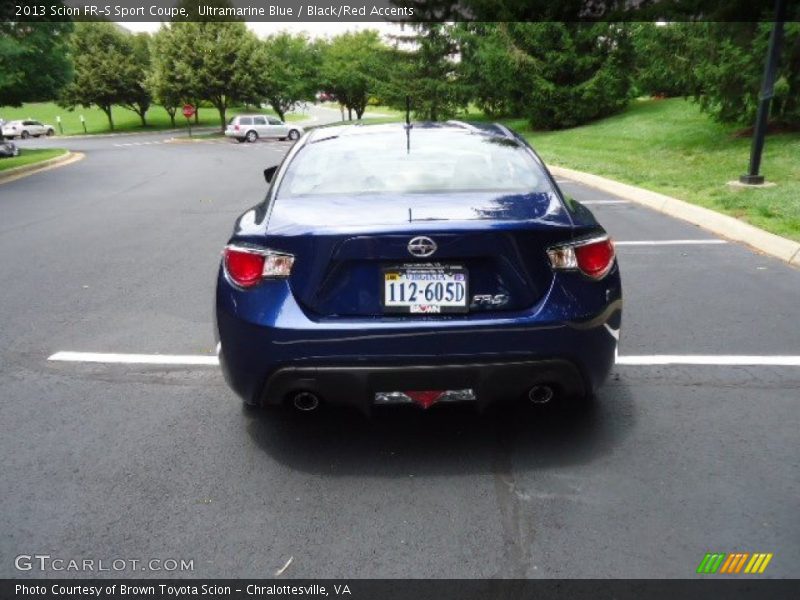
column 427, row 264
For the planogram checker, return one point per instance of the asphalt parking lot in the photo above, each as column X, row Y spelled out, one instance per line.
column 118, row 253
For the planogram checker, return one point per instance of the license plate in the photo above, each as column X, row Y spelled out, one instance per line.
column 429, row 289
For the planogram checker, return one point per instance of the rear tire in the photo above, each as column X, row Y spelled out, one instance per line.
column 294, row 134
column 251, row 136
column 24, row 135
column 49, row 133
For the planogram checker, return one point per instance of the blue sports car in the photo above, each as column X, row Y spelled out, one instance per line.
column 416, row 264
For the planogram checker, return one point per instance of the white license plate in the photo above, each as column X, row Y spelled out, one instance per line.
column 425, row 290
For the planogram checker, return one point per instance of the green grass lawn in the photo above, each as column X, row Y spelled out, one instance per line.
column 669, row 146
column 124, row 120
column 28, row 156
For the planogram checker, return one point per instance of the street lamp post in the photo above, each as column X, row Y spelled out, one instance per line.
column 767, row 92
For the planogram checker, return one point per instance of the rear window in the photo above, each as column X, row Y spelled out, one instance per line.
column 245, row 120
column 435, row 161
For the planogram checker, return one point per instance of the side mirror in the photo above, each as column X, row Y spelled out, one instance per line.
column 269, row 173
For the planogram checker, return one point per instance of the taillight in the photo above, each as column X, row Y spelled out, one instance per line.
column 594, row 258
column 236, row 128
column 246, row 267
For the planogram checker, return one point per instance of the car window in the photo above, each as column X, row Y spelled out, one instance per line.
column 38, row 123
column 259, row 120
column 245, row 120
column 434, row 162
column 274, row 121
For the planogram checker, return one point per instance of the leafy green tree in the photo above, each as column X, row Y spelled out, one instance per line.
column 106, row 72
column 663, row 67
column 138, row 97
column 728, row 66
column 353, row 66
column 291, row 72
column 425, row 67
column 556, row 74
column 220, row 62
column 33, row 60
column 167, row 86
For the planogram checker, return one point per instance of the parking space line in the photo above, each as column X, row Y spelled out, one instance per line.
column 135, row 359
column 669, row 242
column 602, row 202
column 633, row 360
column 733, row 360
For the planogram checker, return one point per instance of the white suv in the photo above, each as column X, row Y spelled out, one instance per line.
column 27, row 128
column 248, row 128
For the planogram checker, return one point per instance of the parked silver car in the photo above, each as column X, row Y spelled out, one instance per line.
column 248, row 128
column 26, row 128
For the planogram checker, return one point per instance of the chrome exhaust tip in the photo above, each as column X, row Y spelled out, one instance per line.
column 305, row 401
column 541, row 394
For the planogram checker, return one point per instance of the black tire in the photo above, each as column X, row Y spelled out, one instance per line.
column 24, row 135
column 49, row 133
column 251, row 136
column 294, row 134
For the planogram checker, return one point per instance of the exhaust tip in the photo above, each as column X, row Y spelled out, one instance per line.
column 305, row 401
column 541, row 394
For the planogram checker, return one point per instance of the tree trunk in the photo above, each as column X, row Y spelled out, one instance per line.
column 171, row 114
column 359, row 112
column 196, row 112
column 349, row 113
column 222, row 108
column 107, row 110
column 142, row 117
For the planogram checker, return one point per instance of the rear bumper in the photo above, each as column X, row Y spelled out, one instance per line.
column 357, row 385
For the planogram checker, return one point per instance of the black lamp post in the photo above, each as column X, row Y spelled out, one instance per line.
column 767, row 92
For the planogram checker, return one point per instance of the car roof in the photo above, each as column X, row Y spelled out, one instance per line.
column 468, row 128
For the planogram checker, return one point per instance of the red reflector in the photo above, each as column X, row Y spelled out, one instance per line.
column 425, row 398
column 244, row 268
column 595, row 259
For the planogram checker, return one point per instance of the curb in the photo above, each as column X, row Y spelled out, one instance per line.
column 729, row 227
column 59, row 161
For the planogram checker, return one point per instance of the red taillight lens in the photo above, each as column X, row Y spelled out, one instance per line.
column 594, row 258
column 248, row 266
column 236, row 128
column 244, row 267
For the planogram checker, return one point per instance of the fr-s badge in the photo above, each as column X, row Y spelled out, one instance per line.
column 489, row 299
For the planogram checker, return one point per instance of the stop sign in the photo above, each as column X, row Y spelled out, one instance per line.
column 188, row 110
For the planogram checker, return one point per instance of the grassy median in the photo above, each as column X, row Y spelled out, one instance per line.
column 124, row 120
column 669, row 146
column 29, row 157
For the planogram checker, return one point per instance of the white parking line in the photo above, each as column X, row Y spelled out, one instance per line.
column 135, row 359
column 602, row 202
column 669, row 242
column 713, row 360
column 635, row 360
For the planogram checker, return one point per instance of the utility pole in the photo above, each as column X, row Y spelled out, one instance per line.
column 767, row 92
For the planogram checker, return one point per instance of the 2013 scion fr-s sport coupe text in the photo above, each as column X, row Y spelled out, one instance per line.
column 438, row 262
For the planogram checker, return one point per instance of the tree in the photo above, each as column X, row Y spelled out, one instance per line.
column 33, row 60
column 105, row 73
column 220, row 62
column 138, row 97
column 291, row 74
column 727, row 60
column 353, row 66
column 663, row 67
column 428, row 72
column 555, row 74
column 169, row 87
